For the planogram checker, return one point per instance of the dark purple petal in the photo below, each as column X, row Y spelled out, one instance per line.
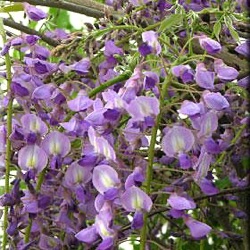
column 137, row 222
column 106, row 244
column 145, row 49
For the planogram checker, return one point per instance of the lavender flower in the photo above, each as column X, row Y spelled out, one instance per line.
column 210, row 45
column 150, row 38
column 34, row 13
column 181, row 202
column 198, row 229
column 177, row 140
column 203, row 77
column 225, row 72
column 32, row 157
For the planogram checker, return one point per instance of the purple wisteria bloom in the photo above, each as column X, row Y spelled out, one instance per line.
column 34, row 124
column 197, row 229
column 202, row 165
column 80, row 103
column 56, row 143
column 135, row 179
column 135, row 200
column 32, row 157
column 183, row 202
column 105, row 178
column 203, row 77
column 215, row 101
column 101, row 145
column 189, row 108
column 139, row 2
column 150, row 38
column 184, row 72
column 208, row 187
column 225, row 72
column 177, row 140
column 243, row 48
column 142, row 107
column 210, row 45
column 34, row 13
column 77, row 175
column 208, row 123
column 111, row 49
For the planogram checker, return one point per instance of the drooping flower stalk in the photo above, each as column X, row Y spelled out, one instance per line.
column 151, row 153
column 8, row 142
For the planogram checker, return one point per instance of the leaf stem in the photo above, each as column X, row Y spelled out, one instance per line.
column 8, row 142
column 151, row 153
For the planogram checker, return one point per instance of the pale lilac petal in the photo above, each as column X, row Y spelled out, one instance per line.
column 56, row 143
column 210, row 45
column 177, row 140
column 34, row 124
column 134, row 199
column 101, row 145
column 243, row 48
column 87, row 235
column 197, row 228
column 215, row 101
column 180, row 203
column 104, row 178
column 208, row 124
column 225, row 72
column 80, row 103
column 111, row 49
column 142, row 107
column 203, row 77
column 189, row 108
column 77, row 174
column 32, row 157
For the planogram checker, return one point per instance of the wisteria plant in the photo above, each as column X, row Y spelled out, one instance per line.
column 131, row 129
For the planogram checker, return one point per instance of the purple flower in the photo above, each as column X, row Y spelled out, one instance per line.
column 101, row 145
column 40, row 66
column 177, row 140
column 80, row 103
column 134, row 199
column 150, row 37
column 34, row 124
column 181, row 202
column 202, row 165
column 77, row 175
column 138, row 2
column 111, row 49
column 105, row 178
column 210, row 45
column 32, row 157
column 135, row 179
column 82, row 67
column 215, row 101
column 47, row 242
column 243, row 48
column 56, row 143
column 197, row 229
column 225, row 72
column 208, row 187
column 142, row 107
column 87, row 235
column 189, row 108
column 184, row 72
column 203, row 77
column 208, row 124
column 34, row 13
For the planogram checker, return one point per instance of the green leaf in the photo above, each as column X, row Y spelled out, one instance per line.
column 217, row 29
column 12, row 8
column 234, row 34
column 77, row 143
column 170, row 21
column 60, row 18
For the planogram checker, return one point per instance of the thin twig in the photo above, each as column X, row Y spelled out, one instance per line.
column 8, row 22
